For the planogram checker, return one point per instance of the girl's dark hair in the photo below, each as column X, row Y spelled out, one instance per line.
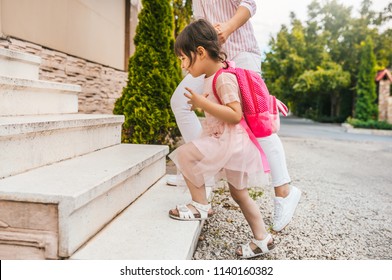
column 199, row 33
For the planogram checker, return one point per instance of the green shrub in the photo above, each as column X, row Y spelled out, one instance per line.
column 153, row 75
column 371, row 124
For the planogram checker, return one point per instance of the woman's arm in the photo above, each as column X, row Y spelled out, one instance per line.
column 244, row 12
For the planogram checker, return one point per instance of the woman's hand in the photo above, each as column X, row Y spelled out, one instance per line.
column 223, row 29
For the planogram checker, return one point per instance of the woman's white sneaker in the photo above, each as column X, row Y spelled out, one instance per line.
column 175, row 180
column 178, row 180
column 285, row 208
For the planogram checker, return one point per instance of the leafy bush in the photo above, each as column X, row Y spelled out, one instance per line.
column 372, row 124
column 153, row 75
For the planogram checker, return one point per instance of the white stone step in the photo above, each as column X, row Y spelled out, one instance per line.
column 34, row 97
column 28, row 142
column 144, row 231
column 19, row 65
column 49, row 212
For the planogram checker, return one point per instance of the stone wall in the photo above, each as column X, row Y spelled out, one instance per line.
column 384, row 101
column 101, row 85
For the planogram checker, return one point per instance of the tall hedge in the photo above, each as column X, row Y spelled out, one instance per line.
column 153, row 75
column 366, row 104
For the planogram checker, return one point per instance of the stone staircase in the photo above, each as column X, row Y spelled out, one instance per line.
column 68, row 188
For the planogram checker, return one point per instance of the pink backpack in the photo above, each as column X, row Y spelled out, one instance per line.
column 260, row 109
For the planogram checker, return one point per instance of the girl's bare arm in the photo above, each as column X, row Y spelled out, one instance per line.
column 230, row 113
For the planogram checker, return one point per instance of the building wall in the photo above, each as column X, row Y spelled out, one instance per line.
column 136, row 6
column 79, row 41
column 1, row 32
column 382, row 101
column 389, row 119
column 91, row 29
column 101, row 85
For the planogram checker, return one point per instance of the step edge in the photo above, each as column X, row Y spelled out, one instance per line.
column 20, row 56
column 101, row 186
column 21, row 83
column 10, row 129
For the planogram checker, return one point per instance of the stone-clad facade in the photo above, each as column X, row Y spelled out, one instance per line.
column 101, row 85
column 88, row 44
column 384, row 80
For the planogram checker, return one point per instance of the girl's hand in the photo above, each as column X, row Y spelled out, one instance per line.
column 196, row 100
column 230, row 113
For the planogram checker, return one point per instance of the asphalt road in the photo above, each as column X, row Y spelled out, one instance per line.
column 304, row 128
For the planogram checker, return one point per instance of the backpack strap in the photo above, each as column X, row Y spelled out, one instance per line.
column 282, row 107
column 257, row 144
column 220, row 71
column 242, row 122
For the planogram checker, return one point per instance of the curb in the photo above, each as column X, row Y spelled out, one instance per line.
column 350, row 129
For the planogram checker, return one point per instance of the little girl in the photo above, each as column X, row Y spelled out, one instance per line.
column 224, row 149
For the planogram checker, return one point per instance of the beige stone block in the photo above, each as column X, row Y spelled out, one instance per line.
column 51, row 65
column 4, row 44
column 28, row 230
column 75, row 61
column 28, row 245
column 36, row 216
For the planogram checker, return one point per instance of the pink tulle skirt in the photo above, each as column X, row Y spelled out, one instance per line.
column 230, row 156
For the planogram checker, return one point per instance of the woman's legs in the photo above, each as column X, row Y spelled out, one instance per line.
column 271, row 145
column 273, row 149
column 187, row 121
column 286, row 196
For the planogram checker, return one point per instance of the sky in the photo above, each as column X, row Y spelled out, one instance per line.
column 271, row 14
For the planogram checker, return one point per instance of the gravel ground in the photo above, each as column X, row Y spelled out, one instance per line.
column 345, row 211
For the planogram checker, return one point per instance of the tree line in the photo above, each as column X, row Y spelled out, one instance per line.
column 325, row 67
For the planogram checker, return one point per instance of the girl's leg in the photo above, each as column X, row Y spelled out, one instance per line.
column 251, row 212
column 187, row 121
column 187, row 157
column 252, row 215
column 198, row 195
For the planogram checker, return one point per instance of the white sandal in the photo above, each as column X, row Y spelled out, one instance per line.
column 185, row 214
column 262, row 248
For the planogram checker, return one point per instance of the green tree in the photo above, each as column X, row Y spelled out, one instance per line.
column 365, row 106
column 153, row 75
column 324, row 84
column 182, row 14
column 331, row 36
column 383, row 49
column 286, row 62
